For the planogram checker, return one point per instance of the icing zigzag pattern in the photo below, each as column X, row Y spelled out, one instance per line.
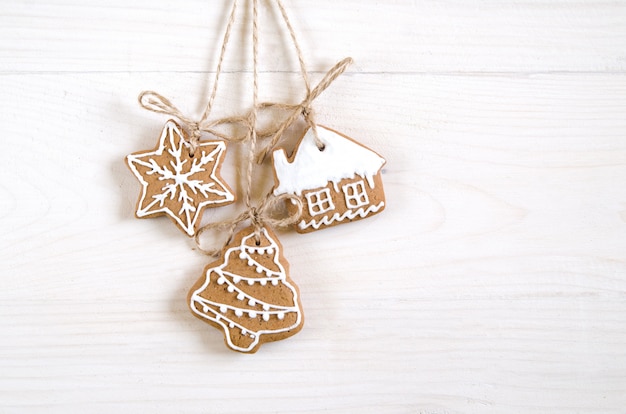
column 349, row 214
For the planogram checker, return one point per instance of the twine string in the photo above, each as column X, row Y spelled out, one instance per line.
column 156, row 102
column 253, row 118
column 218, row 70
column 296, row 44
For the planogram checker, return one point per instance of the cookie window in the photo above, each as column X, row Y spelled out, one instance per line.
column 319, row 202
column 355, row 194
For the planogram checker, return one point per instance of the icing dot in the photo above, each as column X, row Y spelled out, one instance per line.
column 268, row 272
column 270, row 250
column 231, row 325
column 217, row 317
column 205, row 308
column 236, row 279
column 221, row 280
column 252, row 336
column 242, row 255
column 244, row 332
column 230, row 288
column 250, row 262
column 252, row 302
column 274, row 282
column 252, row 314
column 238, row 312
column 223, row 308
column 251, row 282
column 263, row 282
column 281, row 315
column 240, row 296
column 259, row 270
column 266, row 307
column 266, row 317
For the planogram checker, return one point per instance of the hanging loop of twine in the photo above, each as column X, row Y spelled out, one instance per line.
column 257, row 216
column 156, row 102
column 304, row 108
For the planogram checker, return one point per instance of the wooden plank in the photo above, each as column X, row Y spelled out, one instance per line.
column 392, row 36
column 494, row 281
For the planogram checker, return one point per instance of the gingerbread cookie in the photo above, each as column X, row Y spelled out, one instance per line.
column 179, row 185
column 248, row 293
column 338, row 183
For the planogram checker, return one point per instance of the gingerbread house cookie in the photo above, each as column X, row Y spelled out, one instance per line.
column 338, row 183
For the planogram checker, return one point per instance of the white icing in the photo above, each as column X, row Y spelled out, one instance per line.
column 180, row 178
column 349, row 214
column 257, row 265
column 209, row 307
column 311, row 168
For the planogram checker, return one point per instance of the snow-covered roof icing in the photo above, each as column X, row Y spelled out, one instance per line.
column 311, row 168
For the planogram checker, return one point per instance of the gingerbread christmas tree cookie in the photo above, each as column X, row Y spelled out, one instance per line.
column 337, row 183
column 177, row 184
column 248, row 293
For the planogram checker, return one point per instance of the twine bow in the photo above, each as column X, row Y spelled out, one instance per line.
column 304, row 108
column 155, row 102
column 258, row 216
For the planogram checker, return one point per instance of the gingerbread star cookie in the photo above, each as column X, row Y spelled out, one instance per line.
column 179, row 185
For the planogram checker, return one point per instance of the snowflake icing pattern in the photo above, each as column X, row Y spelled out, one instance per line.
column 176, row 184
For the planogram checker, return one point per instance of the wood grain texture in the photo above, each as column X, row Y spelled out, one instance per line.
column 494, row 282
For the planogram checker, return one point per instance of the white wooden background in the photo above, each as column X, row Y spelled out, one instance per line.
column 495, row 281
